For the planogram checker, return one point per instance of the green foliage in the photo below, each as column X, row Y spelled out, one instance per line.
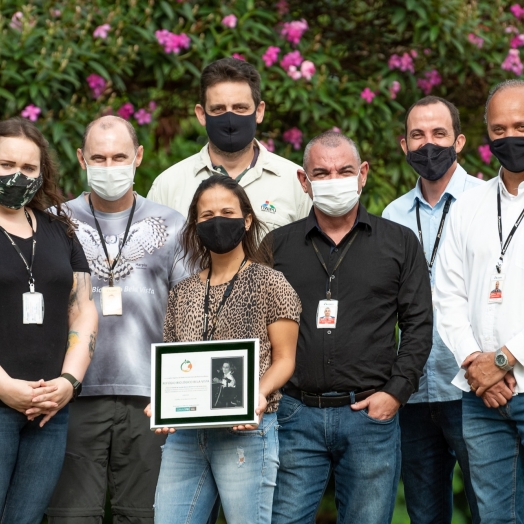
column 46, row 59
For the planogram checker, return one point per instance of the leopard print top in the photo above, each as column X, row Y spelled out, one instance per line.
column 260, row 297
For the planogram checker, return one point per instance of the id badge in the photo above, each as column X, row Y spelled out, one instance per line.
column 327, row 314
column 496, row 286
column 111, row 300
column 33, row 308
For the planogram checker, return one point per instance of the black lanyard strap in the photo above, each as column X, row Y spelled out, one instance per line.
column 504, row 248
column 331, row 275
column 28, row 267
column 447, row 205
column 124, row 240
column 227, row 292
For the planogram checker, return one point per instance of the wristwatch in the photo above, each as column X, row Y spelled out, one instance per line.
column 77, row 385
column 501, row 360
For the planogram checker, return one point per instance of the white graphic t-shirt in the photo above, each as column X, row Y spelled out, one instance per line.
column 149, row 266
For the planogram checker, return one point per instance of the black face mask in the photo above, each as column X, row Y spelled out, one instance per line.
column 509, row 152
column 17, row 190
column 431, row 161
column 231, row 132
column 220, row 234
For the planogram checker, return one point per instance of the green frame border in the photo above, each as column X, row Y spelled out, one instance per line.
column 248, row 345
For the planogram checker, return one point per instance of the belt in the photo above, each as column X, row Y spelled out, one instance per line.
column 319, row 401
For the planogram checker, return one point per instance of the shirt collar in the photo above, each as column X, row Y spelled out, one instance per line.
column 454, row 188
column 361, row 221
column 504, row 191
column 264, row 161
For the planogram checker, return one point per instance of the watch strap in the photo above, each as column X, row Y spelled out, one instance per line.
column 505, row 366
column 77, row 385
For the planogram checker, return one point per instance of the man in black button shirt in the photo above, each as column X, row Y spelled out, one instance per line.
column 339, row 410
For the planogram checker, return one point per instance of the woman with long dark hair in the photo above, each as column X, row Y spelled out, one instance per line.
column 222, row 240
column 48, row 323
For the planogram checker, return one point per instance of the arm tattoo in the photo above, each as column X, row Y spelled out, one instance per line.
column 72, row 340
column 92, row 344
column 73, row 296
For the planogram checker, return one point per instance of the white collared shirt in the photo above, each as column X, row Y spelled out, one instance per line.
column 271, row 185
column 466, row 264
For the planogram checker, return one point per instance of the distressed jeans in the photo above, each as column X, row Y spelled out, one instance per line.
column 495, row 441
column 198, row 465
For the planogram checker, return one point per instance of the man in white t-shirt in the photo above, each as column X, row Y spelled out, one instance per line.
column 230, row 108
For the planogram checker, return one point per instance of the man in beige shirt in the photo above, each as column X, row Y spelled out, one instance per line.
column 230, row 109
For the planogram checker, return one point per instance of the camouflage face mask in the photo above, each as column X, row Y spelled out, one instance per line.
column 17, row 190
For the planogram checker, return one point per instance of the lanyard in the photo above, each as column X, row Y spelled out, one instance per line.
column 504, row 248
column 117, row 258
column 439, row 232
column 28, row 267
column 227, row 292
column 339, row 261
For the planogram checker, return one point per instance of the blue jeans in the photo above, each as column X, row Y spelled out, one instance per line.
column 198, row 465
column 494, row 438
column 432, row 442
column 31, row 458
column 363, row 452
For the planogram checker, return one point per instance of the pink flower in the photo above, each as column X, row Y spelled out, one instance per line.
column 517, row 41
column 126, row 111
column 152, row 105
column 518, row 12
column 485, row 153
column 336, row 130
column 31, row 112
column 294, row 73
column 291, row 59
column 511, row 29
column 512, row 62
column 229, row 21
column 307, row 69
column 172, row 42
column 368, row 95
column 143, row 117
column 238, row 57
column 271, row 55
column 16, row 21
column 56, row 13
column 404, row 62
column 293, row 31
column 480, row 175
column 394, row 88
column 476, row 40
column 97, row 84
column 427, row 51
column 294, row 137
column 413, row 53
column 282, row 7
column 431, row 79
column 101, row 31
column 269, row 145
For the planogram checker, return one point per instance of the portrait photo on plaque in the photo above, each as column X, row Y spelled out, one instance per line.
column 227, row 384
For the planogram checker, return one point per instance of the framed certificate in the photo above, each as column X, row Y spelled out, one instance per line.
column 204, row 384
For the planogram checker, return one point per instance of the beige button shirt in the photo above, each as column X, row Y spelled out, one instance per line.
column 271, row 185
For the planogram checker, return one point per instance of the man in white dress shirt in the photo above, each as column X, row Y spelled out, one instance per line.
column 485, row 330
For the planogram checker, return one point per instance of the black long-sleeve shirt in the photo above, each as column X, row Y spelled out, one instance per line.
column 382, row 279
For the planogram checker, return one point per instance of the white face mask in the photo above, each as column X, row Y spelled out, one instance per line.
column 111, row 183
column 337, row 196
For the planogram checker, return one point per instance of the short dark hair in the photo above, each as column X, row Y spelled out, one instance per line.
column 230, row 70
column 198, row 256
column 429, row 100
column 500, row 87
column 108, row 124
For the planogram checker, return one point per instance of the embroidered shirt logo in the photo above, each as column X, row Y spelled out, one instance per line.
column 186, row 366
column 269, row 207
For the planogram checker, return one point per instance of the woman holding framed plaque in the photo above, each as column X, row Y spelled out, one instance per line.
column 44, row 352
column 234, row 296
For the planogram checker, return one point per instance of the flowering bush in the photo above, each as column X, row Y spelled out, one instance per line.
column 354, row 66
